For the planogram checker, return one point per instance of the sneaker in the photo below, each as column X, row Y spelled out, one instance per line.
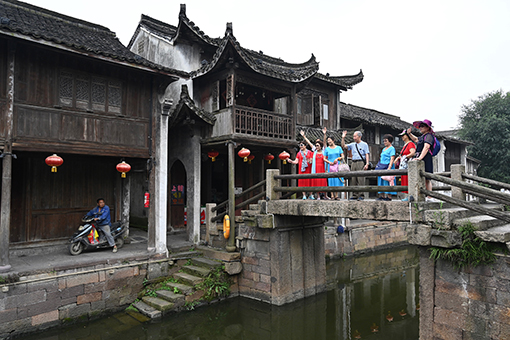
column 311, row 197
column 304, row 197
column 318, row 198
column 114, row 249
column 380, row 199
column 353, row 198
column 361, row 198
column 405, row 199
column 327, row 197
column 387, row 199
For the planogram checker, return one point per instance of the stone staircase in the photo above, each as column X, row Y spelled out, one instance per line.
column 444, row 221
column 176, row 294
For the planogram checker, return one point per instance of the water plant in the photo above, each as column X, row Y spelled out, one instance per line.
column 473, row 251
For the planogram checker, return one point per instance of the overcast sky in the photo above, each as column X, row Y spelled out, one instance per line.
column 421, row 59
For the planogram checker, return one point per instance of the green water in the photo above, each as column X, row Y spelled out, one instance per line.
column 361, row 292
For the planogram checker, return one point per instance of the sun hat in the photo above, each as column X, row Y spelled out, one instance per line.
column 425, row 121
column 404, row 132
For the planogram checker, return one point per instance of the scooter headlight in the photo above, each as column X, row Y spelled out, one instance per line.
column 81, row 228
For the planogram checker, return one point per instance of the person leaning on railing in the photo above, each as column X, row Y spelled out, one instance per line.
column 360, row 159
column 424, row 145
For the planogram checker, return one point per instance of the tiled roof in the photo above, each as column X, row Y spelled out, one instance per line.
column 316, row 133
column 345, row 81
column 69, row 33
column 372, row 117
column 185, row 106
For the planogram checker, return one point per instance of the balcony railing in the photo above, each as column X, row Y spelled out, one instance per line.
column 258, row 122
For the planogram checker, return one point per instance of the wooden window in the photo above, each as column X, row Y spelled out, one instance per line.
column 82, row 91
column 325, row 111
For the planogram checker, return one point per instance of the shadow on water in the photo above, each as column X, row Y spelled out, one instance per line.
column 361, row 293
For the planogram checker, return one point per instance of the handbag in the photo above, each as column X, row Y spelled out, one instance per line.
column 390, row 179
column 370, row 165
column 403, row 160
column 342, row 166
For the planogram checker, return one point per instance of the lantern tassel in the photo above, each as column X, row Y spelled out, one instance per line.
column 284, row 161
column 53, row 169
column 246, row 159
column 123, row 175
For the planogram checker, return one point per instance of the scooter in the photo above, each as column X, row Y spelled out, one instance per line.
column 89, row 237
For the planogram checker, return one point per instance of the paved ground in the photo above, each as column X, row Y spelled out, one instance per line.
column 59, row 257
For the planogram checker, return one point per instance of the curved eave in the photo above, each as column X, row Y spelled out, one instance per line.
column 186, row 25
column 345, row 81
column 295, row 73
column 187, row 105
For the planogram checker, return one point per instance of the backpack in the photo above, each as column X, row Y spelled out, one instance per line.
column 434, row 150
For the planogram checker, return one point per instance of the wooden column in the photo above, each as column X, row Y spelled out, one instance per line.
column 126, row 200
column 5, row 203
column 231, row 197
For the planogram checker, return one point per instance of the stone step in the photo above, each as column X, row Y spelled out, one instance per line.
column 184, row 289
column 177, row 299
column 147, row 310
column 184, row 255
column 254, row 206
column 222, row 255
column 189, row 279
column 481, row 222
column 205, row 262
column 158, row 303
column 444, row 218
column 197, row 271
column 499, row 234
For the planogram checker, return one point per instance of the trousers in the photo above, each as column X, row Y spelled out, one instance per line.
column 106, row 230
column 357, row 181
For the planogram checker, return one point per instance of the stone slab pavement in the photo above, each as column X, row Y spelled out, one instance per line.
column 60, row 259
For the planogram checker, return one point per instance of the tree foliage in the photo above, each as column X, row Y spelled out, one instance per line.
column 486, row 123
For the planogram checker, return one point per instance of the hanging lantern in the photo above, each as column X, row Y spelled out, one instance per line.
column 213, row 154
column 54, row 161
column 268, row 158
column 244, row 153
column 284, row 156
column 123, row 167
column 250, row 158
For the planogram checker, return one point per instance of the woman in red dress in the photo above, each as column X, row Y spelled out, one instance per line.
column 408, row 152
column 303, row 160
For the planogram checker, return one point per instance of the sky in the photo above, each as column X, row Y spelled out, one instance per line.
column 421, row 59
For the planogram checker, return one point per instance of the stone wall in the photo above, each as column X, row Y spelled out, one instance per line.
column 467, row 304
column 40, row 301
column 363, row 238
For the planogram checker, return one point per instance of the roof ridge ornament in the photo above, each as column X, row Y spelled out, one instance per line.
column 229, row 30
column 182, row 12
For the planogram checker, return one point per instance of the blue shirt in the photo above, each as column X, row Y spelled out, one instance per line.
column 363, row 149
column 103, row 216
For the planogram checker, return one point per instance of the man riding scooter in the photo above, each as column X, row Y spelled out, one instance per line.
column 101, row 215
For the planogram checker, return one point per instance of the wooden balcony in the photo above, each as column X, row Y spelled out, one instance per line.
column 263, row 123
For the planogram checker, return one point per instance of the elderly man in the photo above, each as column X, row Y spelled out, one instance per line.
column 360, row 160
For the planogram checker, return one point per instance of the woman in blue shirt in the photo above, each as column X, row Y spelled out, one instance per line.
column 386, row 162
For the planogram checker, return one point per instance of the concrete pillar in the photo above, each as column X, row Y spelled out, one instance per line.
column 457, row 171
column 416, row 182
column 5, row 203
column 271, row 183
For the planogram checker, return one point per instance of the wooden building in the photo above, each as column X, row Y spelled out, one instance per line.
column 69, row 87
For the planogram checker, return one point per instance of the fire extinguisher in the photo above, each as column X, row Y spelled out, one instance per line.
column 146, row 200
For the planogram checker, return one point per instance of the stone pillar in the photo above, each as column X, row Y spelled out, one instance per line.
column 5, row 203
column 271, row 183
column 193, row 175
column 427, row 279
column 416, row 182
column 457, row 171
column 126, row 200
column 210, row 227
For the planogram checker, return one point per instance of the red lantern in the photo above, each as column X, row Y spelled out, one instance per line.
column 123, row 167
column 268, row 158
column 54, row 161
column 244, row 153
column 284, row 156
column 213, row 154
column 250, row 158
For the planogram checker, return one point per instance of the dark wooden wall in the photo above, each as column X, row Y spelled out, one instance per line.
column 48, row 205
column 452, row 155
column 43, row 120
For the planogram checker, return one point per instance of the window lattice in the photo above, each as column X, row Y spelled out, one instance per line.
column 98, row 94
column 114, row 96
column 82, row 93
column 66, row 90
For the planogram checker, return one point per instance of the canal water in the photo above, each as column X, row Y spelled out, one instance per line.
column 373, row 296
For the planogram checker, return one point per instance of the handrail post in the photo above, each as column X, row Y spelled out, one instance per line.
column 271, row 182
column 457, row 171
column 415, row 181
column 210, row 227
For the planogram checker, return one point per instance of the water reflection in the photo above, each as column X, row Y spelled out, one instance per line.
column 361, row 293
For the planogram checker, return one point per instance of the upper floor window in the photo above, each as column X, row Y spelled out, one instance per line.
column 325, row 111
column 83, row 91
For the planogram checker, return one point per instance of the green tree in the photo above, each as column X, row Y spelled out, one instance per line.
column 486, row 123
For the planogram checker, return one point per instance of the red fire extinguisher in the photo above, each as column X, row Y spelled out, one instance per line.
column 146, row 200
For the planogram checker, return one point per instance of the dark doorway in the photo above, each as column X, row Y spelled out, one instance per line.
column 177, row 194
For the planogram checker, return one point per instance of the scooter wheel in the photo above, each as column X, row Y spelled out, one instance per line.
column 119, row 242
column 76, row 248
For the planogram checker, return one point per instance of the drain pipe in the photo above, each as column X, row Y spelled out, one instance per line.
column 411, row 199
